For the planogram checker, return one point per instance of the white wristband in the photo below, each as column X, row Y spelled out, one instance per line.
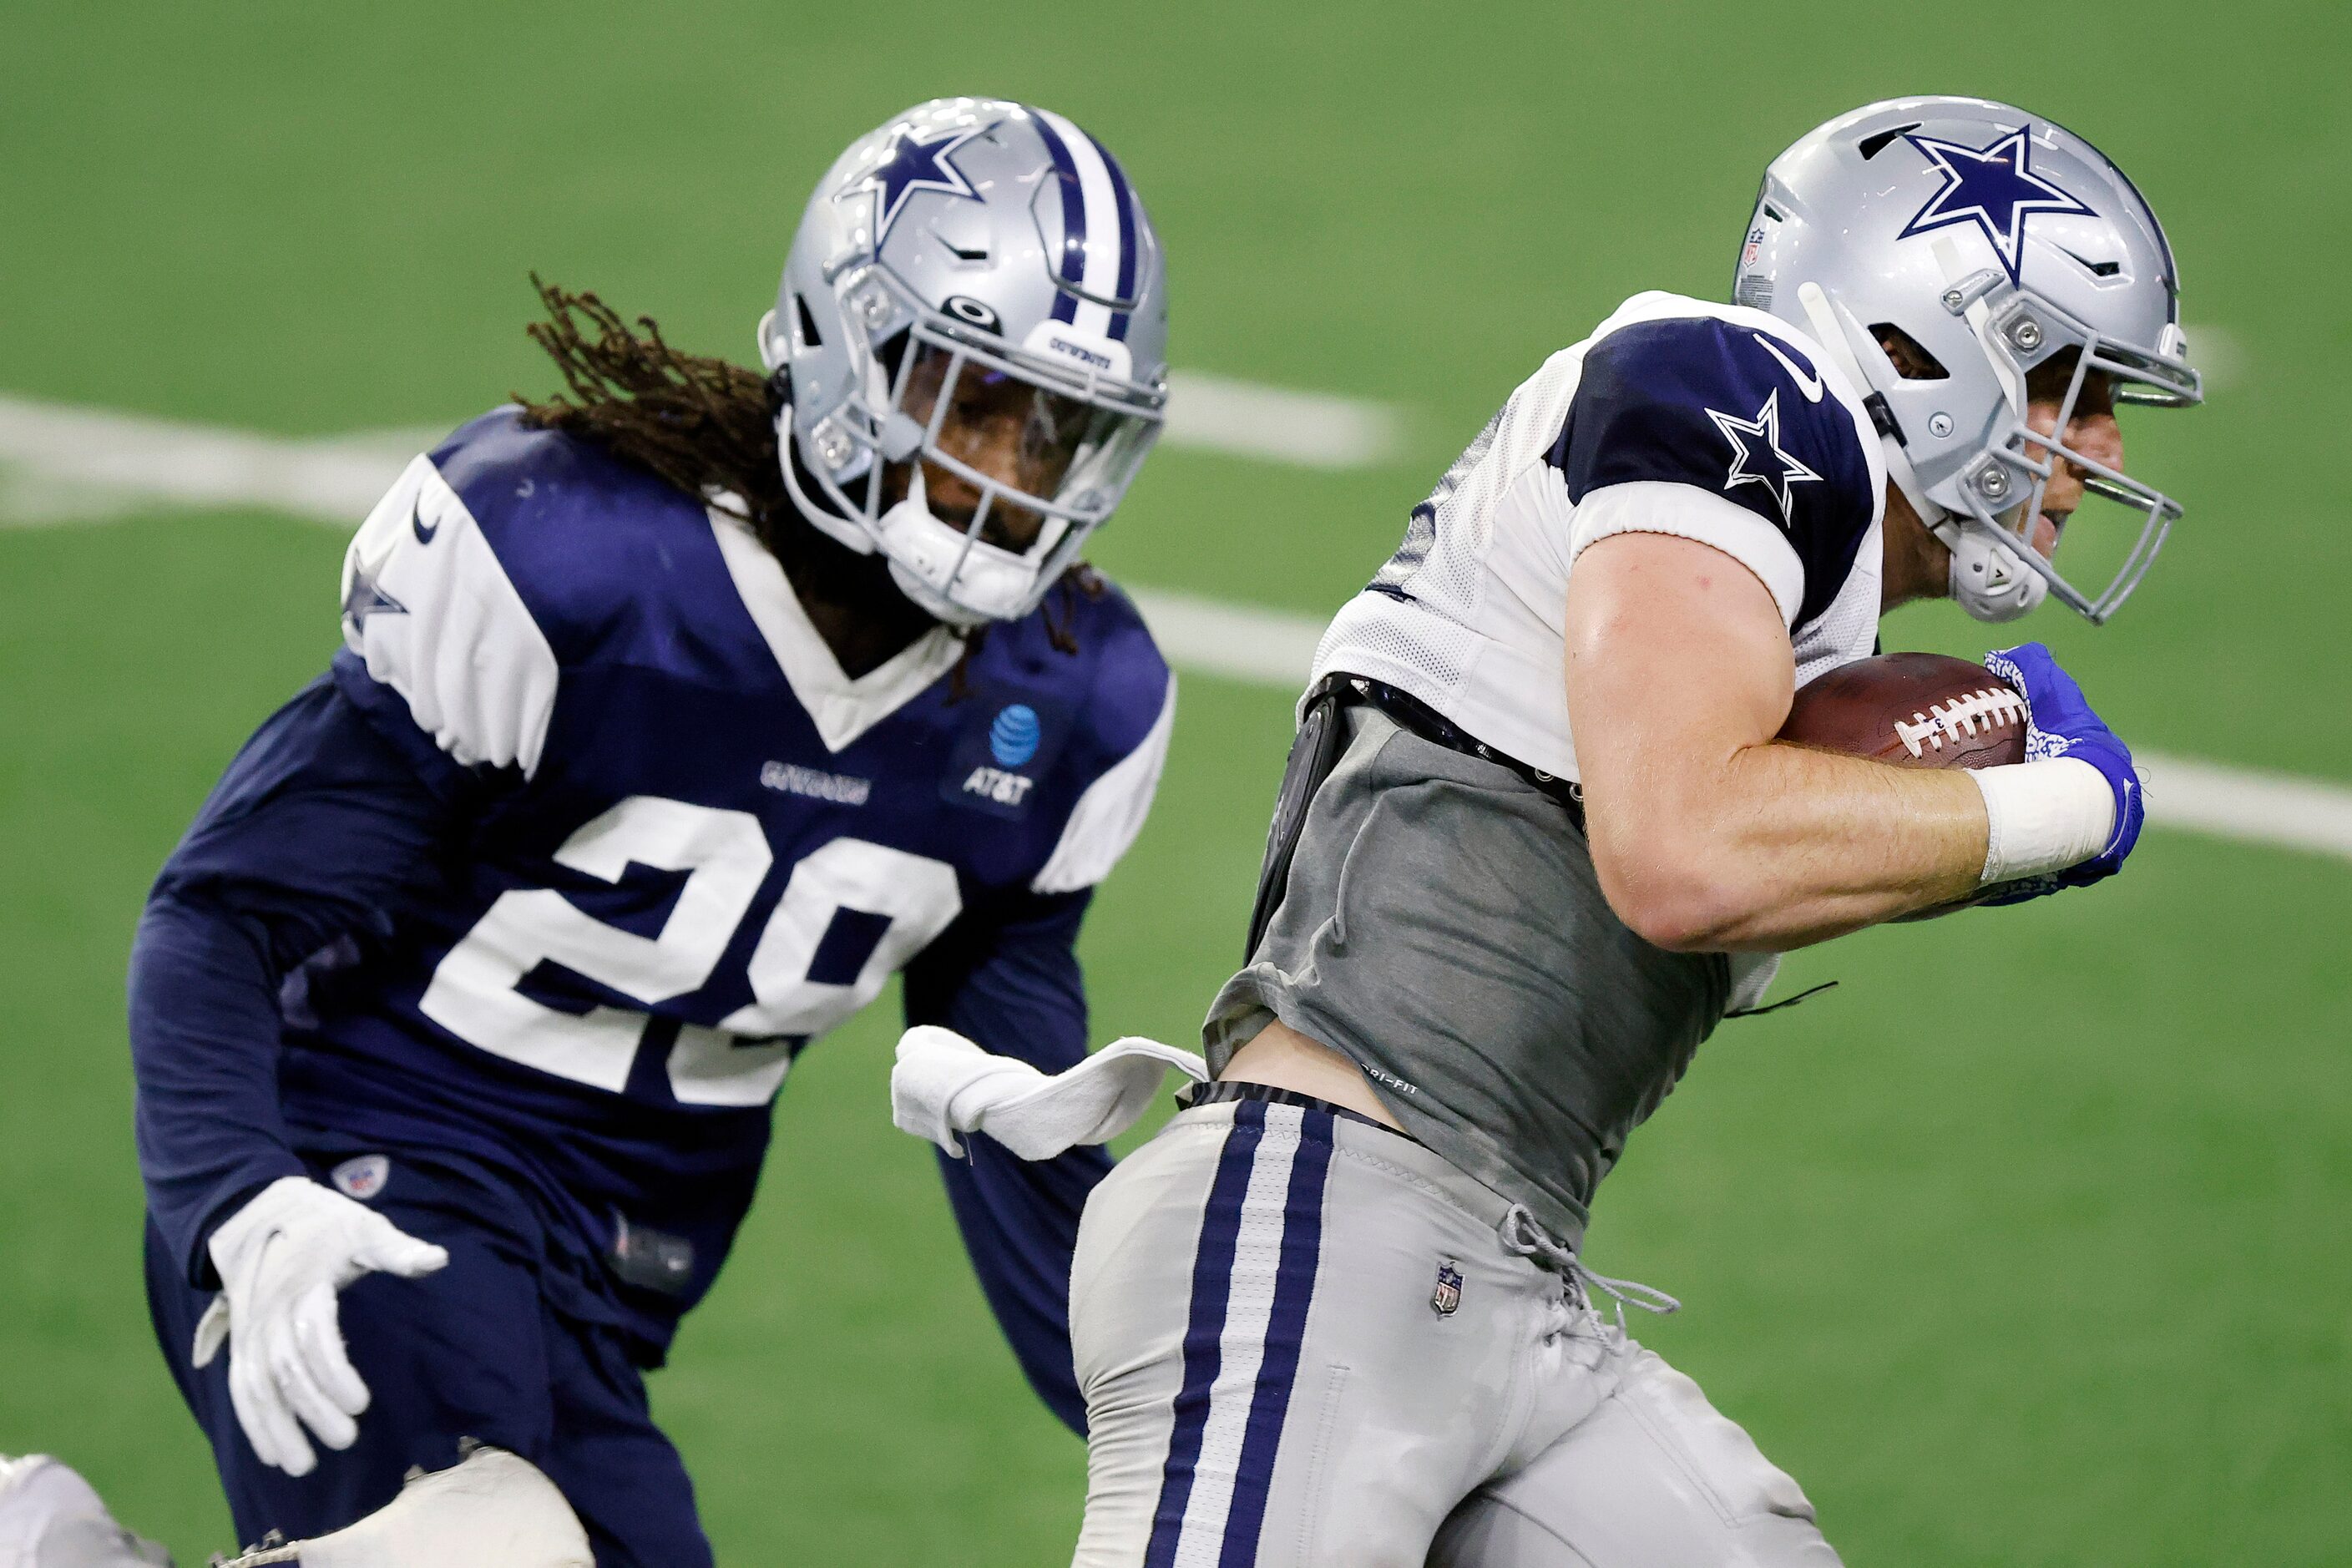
column 2044, row 816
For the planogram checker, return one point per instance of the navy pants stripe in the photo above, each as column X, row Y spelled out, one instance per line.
column 1294, row 1290
column 1253, row 1285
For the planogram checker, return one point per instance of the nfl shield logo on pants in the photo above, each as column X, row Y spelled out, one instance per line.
column 1448, row 1294
column 361, row 1178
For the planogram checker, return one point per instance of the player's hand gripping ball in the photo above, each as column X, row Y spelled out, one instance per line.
column 1926, row 711
column 2060, row 722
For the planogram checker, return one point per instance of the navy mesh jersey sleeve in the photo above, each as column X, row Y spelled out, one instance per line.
column 1709, row 402
column 321, row 832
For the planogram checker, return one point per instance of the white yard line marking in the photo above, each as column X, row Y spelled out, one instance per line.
column 1313, row 429
column 63, row 464
column 79, row 457
column 1240, row 642
column 72, row 465
column 2219, row 354
column 2248, row 803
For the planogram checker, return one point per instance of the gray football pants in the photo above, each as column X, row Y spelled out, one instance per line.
column 1306, row 1340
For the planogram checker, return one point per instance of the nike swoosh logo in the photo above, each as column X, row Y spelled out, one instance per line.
column 1811, row 385
column 425, row 535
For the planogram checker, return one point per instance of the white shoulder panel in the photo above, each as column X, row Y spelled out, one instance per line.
column 1110, row 813
column 428, row 607
column 1652, row 506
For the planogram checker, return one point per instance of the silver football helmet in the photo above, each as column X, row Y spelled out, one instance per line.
column 973, row 321
column 1995, row 241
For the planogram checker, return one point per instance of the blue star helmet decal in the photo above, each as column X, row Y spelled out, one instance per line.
column 916, row 165
column 1755, row 455
column 1995, row 188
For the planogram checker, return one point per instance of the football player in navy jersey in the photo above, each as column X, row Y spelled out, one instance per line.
column 674, row 714
column 1535, row 840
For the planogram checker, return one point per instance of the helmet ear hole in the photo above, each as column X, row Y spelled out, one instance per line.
column 1910, row 357
column 809, row 335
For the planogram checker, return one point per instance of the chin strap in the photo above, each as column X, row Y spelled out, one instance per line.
column 1986, row 580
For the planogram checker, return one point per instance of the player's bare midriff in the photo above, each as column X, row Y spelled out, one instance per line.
column 1281, row 1056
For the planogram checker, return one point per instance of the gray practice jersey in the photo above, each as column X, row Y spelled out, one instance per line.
column 1442, row 924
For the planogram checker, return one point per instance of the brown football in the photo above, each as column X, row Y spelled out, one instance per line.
column 1912, row 710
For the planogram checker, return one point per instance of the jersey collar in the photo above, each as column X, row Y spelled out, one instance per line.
column 841, row 709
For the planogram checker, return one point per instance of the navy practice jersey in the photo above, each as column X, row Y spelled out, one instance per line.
column 585, row 836
column 1713, row 422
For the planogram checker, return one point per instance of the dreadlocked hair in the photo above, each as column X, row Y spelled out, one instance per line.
column 705, row 424
column 698, row 422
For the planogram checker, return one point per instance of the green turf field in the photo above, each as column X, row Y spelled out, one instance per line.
column 2025, row 1246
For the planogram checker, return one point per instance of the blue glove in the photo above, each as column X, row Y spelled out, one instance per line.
column 2060, row 723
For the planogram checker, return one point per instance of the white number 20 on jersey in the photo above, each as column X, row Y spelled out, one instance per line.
column 725, row 856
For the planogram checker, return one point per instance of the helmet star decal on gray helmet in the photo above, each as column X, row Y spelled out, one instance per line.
column 915, row 165
column 1995, row 245
column 1993, row 187
column 972, row 335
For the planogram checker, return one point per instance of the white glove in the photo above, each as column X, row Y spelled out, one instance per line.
column 944, row 1085
column 281, row 1259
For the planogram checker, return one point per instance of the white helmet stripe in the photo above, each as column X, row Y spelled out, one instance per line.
column 1099, row 216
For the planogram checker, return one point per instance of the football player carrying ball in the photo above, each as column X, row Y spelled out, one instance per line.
column 1535, row 838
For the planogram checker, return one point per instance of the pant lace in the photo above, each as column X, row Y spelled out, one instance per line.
column 1522, row 1236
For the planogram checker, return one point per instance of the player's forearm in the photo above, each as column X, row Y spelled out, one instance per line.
column 204, row 1047
column 321, row 830
column 1774, row 847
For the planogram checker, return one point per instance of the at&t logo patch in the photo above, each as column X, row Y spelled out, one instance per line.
column 996, row 785
column 1013, row 737
column 1013, row 734
column 1007, row 746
